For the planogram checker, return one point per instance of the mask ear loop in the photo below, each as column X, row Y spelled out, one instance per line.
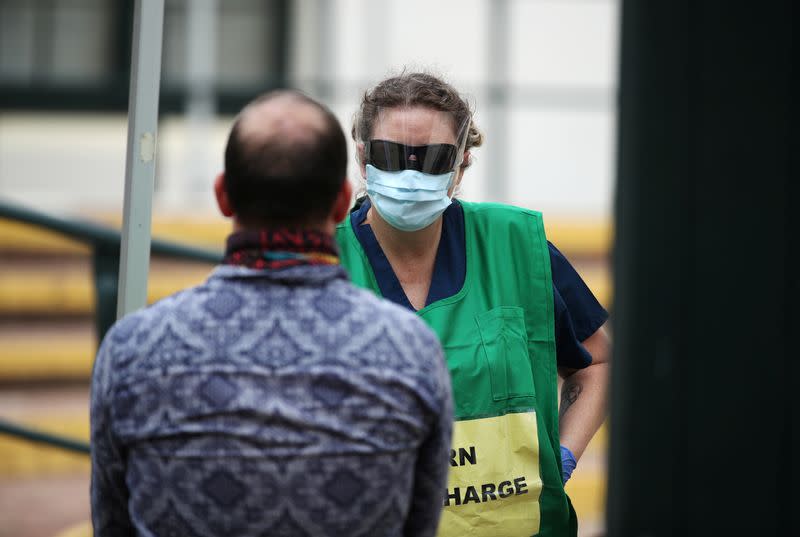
column 462, row 145
column 459, row 155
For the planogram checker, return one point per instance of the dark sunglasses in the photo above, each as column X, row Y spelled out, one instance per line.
column 433, row 159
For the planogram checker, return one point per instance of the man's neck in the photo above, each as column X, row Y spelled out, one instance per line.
column 328, row 227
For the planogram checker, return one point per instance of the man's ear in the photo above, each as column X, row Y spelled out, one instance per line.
column 341, row 207
column 222, row 196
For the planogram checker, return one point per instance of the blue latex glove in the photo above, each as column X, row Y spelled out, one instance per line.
column 568, row 464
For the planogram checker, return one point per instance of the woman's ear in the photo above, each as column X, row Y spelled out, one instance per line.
column 222, row 196
column 459, row 174
column 466, row 161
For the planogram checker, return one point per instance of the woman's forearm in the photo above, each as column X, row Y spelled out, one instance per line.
column 584, row 397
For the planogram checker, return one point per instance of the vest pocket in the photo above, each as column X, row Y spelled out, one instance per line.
column 505, row 347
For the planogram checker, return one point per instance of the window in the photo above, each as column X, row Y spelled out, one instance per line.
column 75, row 54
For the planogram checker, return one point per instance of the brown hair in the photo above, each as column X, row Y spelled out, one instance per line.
column 414, row 89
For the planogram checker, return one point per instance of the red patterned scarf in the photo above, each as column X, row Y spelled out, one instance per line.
column 280, row 248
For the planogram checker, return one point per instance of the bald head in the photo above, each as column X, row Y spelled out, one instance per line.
column 287, row 120
column 285, row 161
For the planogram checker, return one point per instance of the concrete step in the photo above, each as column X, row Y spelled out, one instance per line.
column 60, row 410
column 83, row 529
column 206, row 232
column 45, row 506
column 57, row 287
column 42, row 350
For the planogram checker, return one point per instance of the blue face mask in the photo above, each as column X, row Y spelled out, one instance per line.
column 408, row 200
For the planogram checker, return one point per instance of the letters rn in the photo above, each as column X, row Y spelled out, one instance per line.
column 463, row 456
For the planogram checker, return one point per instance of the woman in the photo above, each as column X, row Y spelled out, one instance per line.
column 508, row 308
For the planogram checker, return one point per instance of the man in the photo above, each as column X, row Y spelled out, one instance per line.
column 276, row 399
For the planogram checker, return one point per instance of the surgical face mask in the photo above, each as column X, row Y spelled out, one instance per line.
column 408, row 200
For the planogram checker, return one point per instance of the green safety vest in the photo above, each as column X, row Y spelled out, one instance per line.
column 498, row 336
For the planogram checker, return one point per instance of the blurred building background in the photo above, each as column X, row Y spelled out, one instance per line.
column 541, row 74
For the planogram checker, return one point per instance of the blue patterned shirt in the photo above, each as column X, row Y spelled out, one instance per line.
column 270, row 403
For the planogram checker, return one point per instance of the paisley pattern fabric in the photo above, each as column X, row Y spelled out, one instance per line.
column 270, row 403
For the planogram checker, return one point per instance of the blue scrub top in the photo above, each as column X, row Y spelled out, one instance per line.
column 578, row 314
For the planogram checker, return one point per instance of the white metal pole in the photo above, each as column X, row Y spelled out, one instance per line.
column 200, row 112
column 140, row 163
column 499, row 89
column 326, row 50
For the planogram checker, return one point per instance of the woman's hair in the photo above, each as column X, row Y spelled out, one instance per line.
column 414, row 89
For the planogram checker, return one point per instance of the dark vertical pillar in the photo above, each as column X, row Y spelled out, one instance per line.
column 279, row 43
column 105, row 265
column 704, row 419
column 122, row 15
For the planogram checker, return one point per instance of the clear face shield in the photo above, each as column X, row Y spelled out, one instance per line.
column 410, row 161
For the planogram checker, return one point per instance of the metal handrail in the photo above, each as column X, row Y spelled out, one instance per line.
column 105, row 242
column 99, row 235
column 32, row 435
